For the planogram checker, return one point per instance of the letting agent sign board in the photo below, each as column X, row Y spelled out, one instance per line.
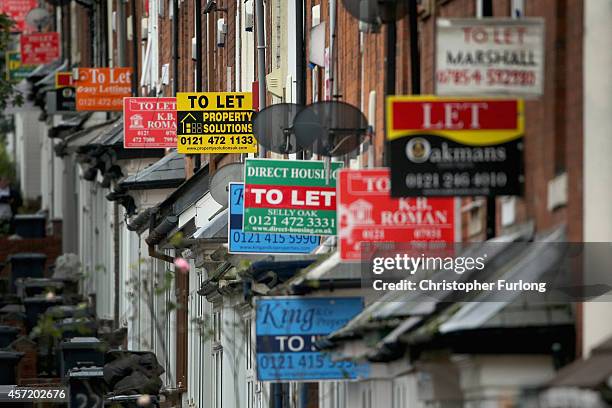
column 39, row 48
column 490, row 56
column 290, row 197
column 241, row 242
column 15, row 70
column 17, row 10
column 367, row 213
column 215, row 122
column 286, row 329
column 149, row 123
column 102, row 89
column 455, row 146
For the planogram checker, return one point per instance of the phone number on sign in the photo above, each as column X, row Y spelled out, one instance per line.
column 251, row 238
column 456, row 180
column 489, row 77
column 304, row 362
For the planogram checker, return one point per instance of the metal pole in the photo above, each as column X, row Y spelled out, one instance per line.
column 198, row 34
column 390, row 56
column 175, row 49
column 332, row 48
column 69, row 33
column 135, row 45
column 415, row 58
column 198, row 66
column 261, row 60
column 300, row 59
column 487, row 11
column 121, row 34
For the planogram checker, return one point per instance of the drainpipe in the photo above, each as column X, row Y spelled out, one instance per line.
column 159, row 233
column 261, row 60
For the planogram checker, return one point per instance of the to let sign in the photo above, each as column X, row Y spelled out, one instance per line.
column 286, row 329
column 290, row 196
column 63, row 79
column 102, row 89
column 149, row 123
column 15, row 70
column 455, row 146
column 215, row 122
column 240, row 242
column 17, row 10
column 367, row 213
column 490, row 56
column 39, row 48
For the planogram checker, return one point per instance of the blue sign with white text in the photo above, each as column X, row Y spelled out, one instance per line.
column 286, row 330
column 241, row 242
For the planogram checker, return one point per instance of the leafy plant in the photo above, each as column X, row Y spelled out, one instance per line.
column 8, row 94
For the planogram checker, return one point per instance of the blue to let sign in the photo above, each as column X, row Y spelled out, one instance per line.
column 241, row 242
column 286, row 330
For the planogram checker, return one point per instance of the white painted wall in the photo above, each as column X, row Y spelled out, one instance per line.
column 29, row 131
column 597, row 152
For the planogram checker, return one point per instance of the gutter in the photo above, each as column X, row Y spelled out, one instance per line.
column 158, row 234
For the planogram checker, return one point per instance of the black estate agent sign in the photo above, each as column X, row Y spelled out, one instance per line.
column 455, row 146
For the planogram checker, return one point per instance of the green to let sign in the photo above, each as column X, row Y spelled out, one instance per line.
column 290, row 196
column 15, row 71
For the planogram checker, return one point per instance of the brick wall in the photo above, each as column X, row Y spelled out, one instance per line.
column 50, row 246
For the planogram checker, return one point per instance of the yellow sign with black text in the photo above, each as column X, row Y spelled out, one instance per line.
column 215, row 122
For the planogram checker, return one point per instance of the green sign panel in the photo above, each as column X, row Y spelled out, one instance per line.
column 290, row 197
column 15, row 71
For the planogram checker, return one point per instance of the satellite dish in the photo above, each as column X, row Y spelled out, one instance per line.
column 377, row 11
column 230, row 173
column 38, row 18
column 331, row 128
column 273, row 127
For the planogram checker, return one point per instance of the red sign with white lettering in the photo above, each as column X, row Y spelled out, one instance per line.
column 456, row 115
column 367, row 213
column 17, row 10
column 39, row 48
column 150, row 123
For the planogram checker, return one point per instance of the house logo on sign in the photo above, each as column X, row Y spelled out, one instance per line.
column 136, row 122
column 188, row 127
column 360, row 213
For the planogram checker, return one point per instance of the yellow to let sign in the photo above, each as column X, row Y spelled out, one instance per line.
column 215, row 122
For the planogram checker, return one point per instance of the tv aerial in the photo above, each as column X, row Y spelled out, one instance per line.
column 377, row 12
column 219, row 183
column 274, row 128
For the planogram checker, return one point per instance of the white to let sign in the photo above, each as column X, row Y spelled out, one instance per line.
column 490, row 56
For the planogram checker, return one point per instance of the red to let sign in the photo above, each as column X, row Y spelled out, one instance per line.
column 149, row 123
column 17, row 10
column 367, row 213
column 39, row 48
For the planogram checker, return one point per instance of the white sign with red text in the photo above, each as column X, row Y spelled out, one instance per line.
column 490, row 56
